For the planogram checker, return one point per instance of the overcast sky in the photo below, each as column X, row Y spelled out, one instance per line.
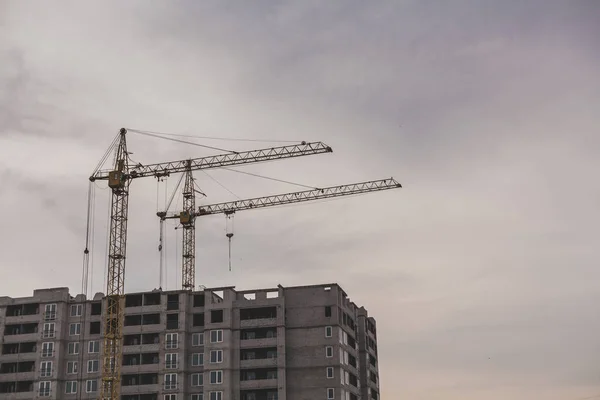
column 482, row 272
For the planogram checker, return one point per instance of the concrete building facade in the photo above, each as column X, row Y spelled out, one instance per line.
column 284, row 343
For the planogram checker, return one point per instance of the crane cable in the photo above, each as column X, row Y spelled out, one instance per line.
column 151, row 134
column 85, row 277
column 106, row 154
column 269, row 178
column 214, row 137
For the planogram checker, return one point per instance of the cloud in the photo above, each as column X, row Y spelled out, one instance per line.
column 480, row 271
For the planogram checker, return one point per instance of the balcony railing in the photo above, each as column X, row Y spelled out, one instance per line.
column 49, row 315
column 47, row 353
column 48, row 334
column 171, row 365
column 171, row 344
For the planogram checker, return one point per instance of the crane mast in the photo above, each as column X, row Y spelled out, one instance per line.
column 119, row 179
column 189, row 232
column 232, row 207
column 117, row 246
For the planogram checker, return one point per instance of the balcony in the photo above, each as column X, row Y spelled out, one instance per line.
column 259, row 363
column 144, row 362
column 140, row 390
column 22, row 310
column 258, row 384
column 25, row 337
column 17, row 371
column 22, row 318
column 19, row 351
column 21, row 389
column 258, row 323
column 142, row 322
column 141, row 348
column 21, row 332
column 266, row 342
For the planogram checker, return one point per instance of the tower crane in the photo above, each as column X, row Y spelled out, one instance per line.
column 188, row 215
column 119, row 179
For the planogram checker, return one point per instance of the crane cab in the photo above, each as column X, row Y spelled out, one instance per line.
column 115, row 179
column 185, row 217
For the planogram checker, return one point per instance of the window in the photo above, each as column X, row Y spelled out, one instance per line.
column 198, row 339
column 347, row 377
column 170, row 381
column 328, row 351
column 197, row 359
column 171, row 341
column 216, row 395
column 72, row 367
column 329, row 372
column 197, row 379
column 341, row 336
column 198, row 319
column 92, row 366
column 91, row 386
column 73, row 348
column 45, row 388
column 216, row 377
column 47, row 349
column 216, row 316
column 341, row 356
column 46, row 368
column 171, row 361
column 95, row 328
column 342, row 376
column 49, row 330
column 71, row 387
column 198, row 396
column 76, row 310
column 272, row 396
column 216, row 336
column 216, row 356
column 50, row 313
column 328, row 331
column 74, row 329
column 330, row 394
column 170, row 397
column 328, row 311
column 345, row 337
column 93, row 347
column 346, row 357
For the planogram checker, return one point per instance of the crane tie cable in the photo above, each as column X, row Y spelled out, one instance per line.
column 178, row 140
column 218, row 138
column 269, row 178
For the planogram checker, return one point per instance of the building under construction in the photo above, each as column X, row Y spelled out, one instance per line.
column 284, row 343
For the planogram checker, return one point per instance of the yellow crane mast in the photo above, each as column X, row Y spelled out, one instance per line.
column 119, row 179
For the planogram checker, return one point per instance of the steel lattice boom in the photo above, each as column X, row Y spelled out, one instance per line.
column 119, row 179
column 298, row 197
column 222, row 160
